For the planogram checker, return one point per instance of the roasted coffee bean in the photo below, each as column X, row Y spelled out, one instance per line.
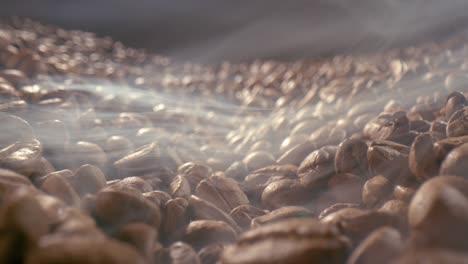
column 300, row 240
column 375, row 190
column 83, row 250
column 195, row 173
column 336, row 207
column 457, row 125
column 395, row 207
column 237, row 170
column 259, row 159
column 88, row 179
column 423, row 160
column 438, row 203
column 58, row 185
column 223, row 192
column 180, row 187
column 351, row 157
column 455, row 162
column 203, row 233
column 244, row 214
column 389, row 127
column 345, row 187
column 454, row 102
column 143, row 159
column 117, row 147
column 297, row 154
column 210, row 254
column 283, row 193
column 403, row 193
column 83, row 152
column 174, row 218
column 201, row 209
column 432, row 255
column 292, row 141
column 23, row 158
column 132, row 183
column 282, row 213
column 389, row 162
column 180, row 253
column 357, row 224
column 384, row 243
column 159, row 198
column 141, row 236
column 316, row 169
column 115, row 208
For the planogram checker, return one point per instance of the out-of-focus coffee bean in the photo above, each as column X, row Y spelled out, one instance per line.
column 116, row 208
column 223, row 192
column 76, row 250
column 58, row 185
column 297, row 154
column 437, row 204
column 292, row 141
column 455, row 162
column 386, row 161
column 375, row 190
column 210, row 254
column 280, row 214
column 24, row 215
column 439, row 127
column 419, row 125
column 135, row 183
column 143, row 159
column 180, row 253
column 336, row 207
column 195, row 173
column 397, row 208
column 384, row 244
column 457, row 125
column 351, row 157
column 300, row 240
column 23, row 158
column 174, row 218
column 140, row 236
column 255, row 182
column 180, row 187
column 389, row 127
column 423, row 160
column 316, row 169
column 454, row 102
column 117, row 147
column 357, row 224
column 432, row 255
column 202, row 233
column 403, row 193
column 244, row 214
column 201, row 209
column 84, row 152
column 237, row 170
column 159, row 198
column 259, row 159
column 261, row 145
column 283, row 193
column 88, row 179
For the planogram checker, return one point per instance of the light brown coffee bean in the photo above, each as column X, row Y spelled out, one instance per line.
column 174, row 218
column 58, row 185
column 223, row 192
column 384, row 244
column 244, row 214
column 202, row 233
column 456, row 162
column 297, row 154
column 283, row 193
column 375, row 190
column 180, row 187
column 88, row 179
column 316, row 169
column 281, row 214
column 259, row 159
column 295, row 241
column 351, row 157
column 457, row 125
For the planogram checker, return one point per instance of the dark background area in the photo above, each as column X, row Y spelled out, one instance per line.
column 210, row 30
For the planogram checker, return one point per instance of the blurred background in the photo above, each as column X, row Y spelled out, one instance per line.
column 214, row 30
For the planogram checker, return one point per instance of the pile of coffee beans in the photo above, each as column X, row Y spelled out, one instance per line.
column 110, row 154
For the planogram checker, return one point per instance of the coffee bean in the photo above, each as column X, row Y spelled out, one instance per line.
column 201, row 209
column 223, row 192
column 300, row 240
column 202, row 233
column 283, row 193
column 210, row 254
column 180, row 187
column 281, row 214
column 180, row 253
column 297, row 154
column 351, row 157
column 384, row 243
column 174, row 218
column 58, row 185
column 259, row 159
column 317, row 168
column 244, row 214
column 455, row 162
column 88, row 179
column 375, row 190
